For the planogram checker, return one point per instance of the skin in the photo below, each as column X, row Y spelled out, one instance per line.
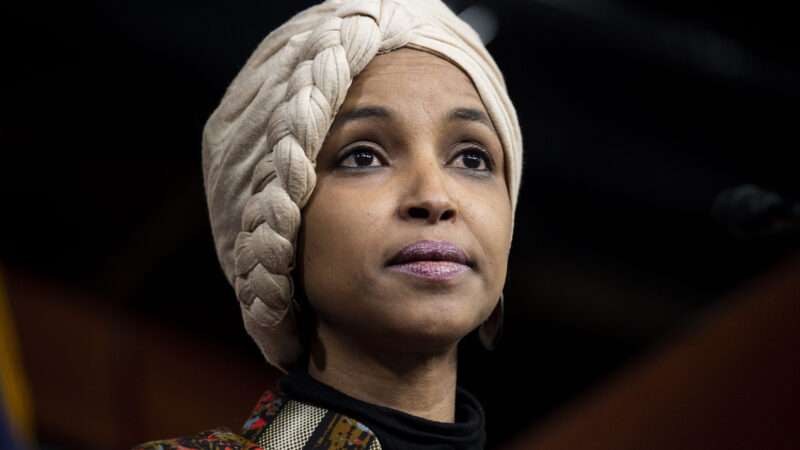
column 416, row 173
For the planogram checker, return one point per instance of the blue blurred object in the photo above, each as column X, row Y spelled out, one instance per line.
column 7, row 441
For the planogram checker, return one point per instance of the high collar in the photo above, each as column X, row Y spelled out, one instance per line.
column 395, row 429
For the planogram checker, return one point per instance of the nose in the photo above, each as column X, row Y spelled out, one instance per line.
column 426, row 197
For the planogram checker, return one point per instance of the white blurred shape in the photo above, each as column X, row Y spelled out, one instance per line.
column 483, row 20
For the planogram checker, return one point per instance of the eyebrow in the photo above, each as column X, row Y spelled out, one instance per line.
column 471, row 114
column 379, row 112
column 363, row 112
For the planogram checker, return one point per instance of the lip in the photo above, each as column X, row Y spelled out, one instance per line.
column 434, row 260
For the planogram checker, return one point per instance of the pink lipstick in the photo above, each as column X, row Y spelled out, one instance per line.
column 433, row 260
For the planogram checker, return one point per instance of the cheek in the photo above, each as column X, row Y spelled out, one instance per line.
column 339, row 242
column 490, row 219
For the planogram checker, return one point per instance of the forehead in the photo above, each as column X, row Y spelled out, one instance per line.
column 407, row 71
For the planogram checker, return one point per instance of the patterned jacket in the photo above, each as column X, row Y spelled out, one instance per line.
column 278, row 423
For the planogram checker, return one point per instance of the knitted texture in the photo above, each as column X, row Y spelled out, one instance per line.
column 261, row 143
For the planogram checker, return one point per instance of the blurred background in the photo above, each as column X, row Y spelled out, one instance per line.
column 660, row 177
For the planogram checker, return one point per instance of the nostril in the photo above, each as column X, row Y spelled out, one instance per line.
column 447, row 215
column 418, row 213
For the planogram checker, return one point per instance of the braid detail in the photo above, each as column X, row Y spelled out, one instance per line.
column 282, row 182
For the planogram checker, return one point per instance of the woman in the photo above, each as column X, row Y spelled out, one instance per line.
column 362, row 173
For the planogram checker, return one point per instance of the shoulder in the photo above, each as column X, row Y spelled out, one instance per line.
column 215, row 439
column 278, row 422
column 264, row 413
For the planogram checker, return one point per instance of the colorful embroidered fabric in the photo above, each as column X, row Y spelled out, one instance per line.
column 329, row 431
column 264, row 413
column 217, row 439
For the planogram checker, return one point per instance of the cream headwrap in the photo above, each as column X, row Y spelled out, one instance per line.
column 261, row 143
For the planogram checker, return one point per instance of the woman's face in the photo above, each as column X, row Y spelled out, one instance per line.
column 412, row 156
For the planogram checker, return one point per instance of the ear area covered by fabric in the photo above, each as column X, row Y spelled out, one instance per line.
column 264, row 250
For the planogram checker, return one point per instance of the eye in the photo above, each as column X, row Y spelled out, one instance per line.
column 473, row 158
column 360, row 156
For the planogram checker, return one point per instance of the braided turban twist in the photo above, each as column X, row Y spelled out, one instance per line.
column 260, row 145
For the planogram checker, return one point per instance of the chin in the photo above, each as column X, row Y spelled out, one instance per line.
column 430, row 327
column 387, row 314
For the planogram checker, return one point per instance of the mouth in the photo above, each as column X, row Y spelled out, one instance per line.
column 434, row 260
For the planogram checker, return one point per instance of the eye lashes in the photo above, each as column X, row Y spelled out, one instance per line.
column 471, row 148
column 475, row 148
column 358, row 149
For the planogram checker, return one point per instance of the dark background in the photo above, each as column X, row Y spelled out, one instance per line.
column 635, row 116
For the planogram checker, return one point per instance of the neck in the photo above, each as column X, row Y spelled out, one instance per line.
column 417, row 383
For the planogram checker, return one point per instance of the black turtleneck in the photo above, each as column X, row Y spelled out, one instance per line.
column 396, row 430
